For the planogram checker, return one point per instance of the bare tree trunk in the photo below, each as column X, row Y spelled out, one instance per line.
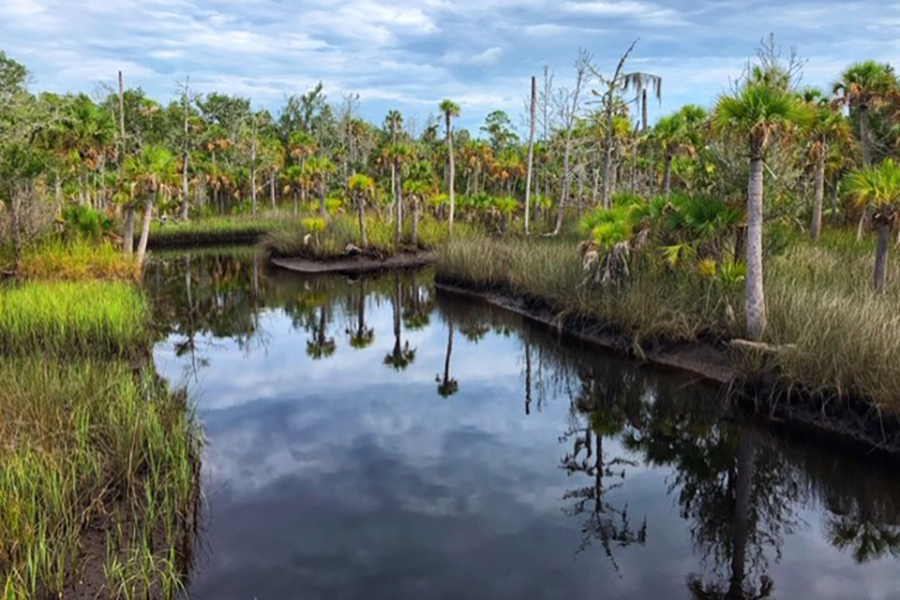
column 253, row 174
column 609, row 102
column 185, row 157
column 582, row 64
column 145, row 229
column 533, row 121
column 755, row 298
column 881, row 256
column 651, row 176
column 634, row 169
column 819, row 197
column 323, row 211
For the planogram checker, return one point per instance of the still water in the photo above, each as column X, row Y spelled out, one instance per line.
column 373, row 438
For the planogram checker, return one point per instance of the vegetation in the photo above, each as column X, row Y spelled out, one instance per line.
column 84, row 317
column 90, row 447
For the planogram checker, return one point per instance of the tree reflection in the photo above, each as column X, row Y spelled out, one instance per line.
column 363, row 336
column 447, row 387
column 321, row 346
column 402, row 355
column 597, row 411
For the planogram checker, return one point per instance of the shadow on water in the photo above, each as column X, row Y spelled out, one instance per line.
column 371, row 438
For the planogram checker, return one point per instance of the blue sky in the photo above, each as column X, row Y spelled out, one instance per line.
column 410, row 54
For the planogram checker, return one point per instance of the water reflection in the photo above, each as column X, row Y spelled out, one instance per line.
column 372, row 438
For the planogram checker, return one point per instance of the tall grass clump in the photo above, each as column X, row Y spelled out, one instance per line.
column 77, row 259
column 316, row 239
column 656, row 303
column 216, row 230
column 91, row 447
column 70, row 318
column 846, row 339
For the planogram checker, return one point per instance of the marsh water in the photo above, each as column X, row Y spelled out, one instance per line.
column 374, row 438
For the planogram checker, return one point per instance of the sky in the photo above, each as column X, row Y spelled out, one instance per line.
column 410, row 54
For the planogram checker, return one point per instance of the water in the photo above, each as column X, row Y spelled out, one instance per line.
column 376, row 439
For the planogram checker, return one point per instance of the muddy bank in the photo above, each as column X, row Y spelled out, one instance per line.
column 855, row 424
column 355, row 264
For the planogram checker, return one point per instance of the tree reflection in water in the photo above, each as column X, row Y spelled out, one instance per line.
column 738, row 488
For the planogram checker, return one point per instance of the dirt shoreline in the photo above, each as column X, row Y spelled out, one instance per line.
column 356, row 264
column 857, row 426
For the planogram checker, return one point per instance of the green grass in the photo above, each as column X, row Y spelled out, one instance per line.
column 215, row 230
column 77, row 260
column 310, row 238
column 819, row 298
column 92, row 446
column 71, row 318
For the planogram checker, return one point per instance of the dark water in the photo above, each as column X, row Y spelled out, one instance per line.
column 376, row 439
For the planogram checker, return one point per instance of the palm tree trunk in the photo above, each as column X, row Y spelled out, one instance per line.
column 881, row 256
column 294, row 194
column 864, row 136
column 667, row 175
column 835, row 188
column 815, row 228
column 272, row 190
column 755, row 300
column 363, row 240
column 145, row 230
column 452, row 173
column 398, row 226
column 128, row 242
column 415, row 222
column 322, row 210
column 651, row 176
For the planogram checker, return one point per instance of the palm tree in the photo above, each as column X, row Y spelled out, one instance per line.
column 302, row 146
column 419, row 186
column 392, row 123
column 759, row 112
column 680, row 133
column 362, row 188
column 828, row 126
column 862, row 87
column 398, row 154
column 151, row 171
column 450, row 110
column 878, row 188
column 317, row 169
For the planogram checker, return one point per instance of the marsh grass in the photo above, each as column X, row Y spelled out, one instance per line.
column 92, row 443
column 216, row 230
column 72, row 318
column 844, row 339
column 310, row 238
column 77, row 260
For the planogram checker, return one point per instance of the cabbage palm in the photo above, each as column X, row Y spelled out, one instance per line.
column 317, row 169
column 759, row 112
column 362, row 189
column 878, row 188
column 862, row 87
column 828, row 126
column 419, row 186
column 152, row 171
column 450, row 110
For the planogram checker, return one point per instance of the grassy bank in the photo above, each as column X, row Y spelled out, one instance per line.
column 314, row 239
column 90, row 447
column 98, row 462
column 845, row 339
column 215, row 230
column 73, row 318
